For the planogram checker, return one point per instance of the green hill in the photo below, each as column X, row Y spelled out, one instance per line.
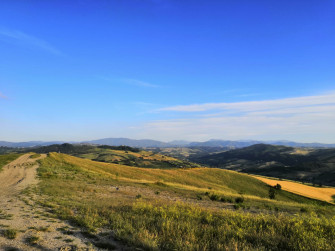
column 182, row 209
column 123, row 155
column 309, row 165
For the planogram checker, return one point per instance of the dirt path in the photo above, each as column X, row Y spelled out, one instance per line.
column 35, row 228
column 319, row 193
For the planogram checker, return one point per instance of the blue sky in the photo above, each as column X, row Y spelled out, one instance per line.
column 167, row 69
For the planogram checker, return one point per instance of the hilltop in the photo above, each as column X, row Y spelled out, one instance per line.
column 124, row 155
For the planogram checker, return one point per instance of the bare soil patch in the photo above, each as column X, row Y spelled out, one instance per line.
column 32, row 227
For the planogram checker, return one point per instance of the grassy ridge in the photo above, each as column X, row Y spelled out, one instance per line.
column 136, row 158
column 212, row 180
column 7, row 158
column 84, row 191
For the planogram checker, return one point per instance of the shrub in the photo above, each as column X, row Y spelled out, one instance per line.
column 10, row 233
column 304, row 210
column 230, row 200
column 32, row 240
column 214, row 197
column 138, row 196
column 239, row 200
column 199, row 197
column 278, row 187
column 237, row 206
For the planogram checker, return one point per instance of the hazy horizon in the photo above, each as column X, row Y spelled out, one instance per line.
column 167, row 70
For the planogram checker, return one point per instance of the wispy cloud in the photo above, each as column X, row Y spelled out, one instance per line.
column 2, row 96
column 129, row 81
column 23, row 39
column 252, row 106
column 138, row 83
column 305, row 119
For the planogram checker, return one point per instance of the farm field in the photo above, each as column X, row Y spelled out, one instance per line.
column 320, row 193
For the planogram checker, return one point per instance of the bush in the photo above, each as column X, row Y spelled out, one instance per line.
column 138, row 196
column 32, row 240
column 239, row 200
column 237, row 206
column 214, row 197
column 304, row 210
column 278, row 187
column 10, row 233
column 199, row 197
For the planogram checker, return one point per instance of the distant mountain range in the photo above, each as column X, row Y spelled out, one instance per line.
column 29, row 143
column 177, row 143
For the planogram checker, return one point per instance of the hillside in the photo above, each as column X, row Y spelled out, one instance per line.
column 118, row 207
column 187, row 153
column 124, row 155
column 316, row 166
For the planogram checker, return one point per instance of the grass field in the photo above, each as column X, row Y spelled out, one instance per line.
column 134, row 158
column 7, row 158
column 182, row 209
column 320, row 193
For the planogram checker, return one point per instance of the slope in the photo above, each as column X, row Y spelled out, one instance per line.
column 180, row 209
column 316, row 166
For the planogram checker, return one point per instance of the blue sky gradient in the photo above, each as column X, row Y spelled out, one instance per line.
column 80, row 70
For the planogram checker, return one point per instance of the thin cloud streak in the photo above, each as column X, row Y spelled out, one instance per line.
column 139, row 83
column 18, row 37
column 303, row 119
column 2, row 96
column 129, row 81
column 249, row 106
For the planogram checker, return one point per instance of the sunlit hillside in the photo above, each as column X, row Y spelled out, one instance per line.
column 206, row 208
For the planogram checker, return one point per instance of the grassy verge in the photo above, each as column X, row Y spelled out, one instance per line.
column 142, row 210
column 7, row 158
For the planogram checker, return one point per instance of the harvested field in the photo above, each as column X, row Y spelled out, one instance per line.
column 320, row 193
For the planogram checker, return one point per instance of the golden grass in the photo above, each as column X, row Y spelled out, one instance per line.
column 319, row 193
column 301, row 151
column 187, row 181
column 83, row 192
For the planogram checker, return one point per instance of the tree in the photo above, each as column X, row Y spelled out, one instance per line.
column 277, row 187
column 272, row 193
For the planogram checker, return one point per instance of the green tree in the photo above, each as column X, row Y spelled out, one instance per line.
column 272, row 193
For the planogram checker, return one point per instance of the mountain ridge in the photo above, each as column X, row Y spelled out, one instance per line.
column 175, row 143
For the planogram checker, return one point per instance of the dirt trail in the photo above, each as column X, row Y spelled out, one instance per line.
column 17, row 175
column 19, row 212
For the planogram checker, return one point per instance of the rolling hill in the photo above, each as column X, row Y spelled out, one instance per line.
column 114, row 206
column 316, row 166
column 124, row 155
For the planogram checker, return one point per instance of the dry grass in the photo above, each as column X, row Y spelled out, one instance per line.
column 319, row 193
column 156, row 209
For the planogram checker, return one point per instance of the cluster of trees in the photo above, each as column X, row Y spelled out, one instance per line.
column 273, row 191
